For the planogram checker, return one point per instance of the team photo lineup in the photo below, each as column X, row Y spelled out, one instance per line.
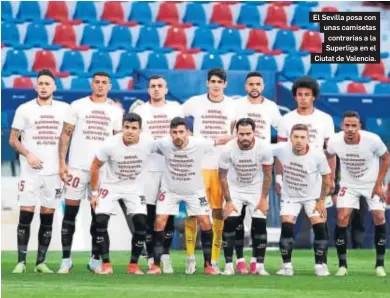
column 149, row 161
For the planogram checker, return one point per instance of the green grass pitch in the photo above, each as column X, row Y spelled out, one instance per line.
column 361, row 281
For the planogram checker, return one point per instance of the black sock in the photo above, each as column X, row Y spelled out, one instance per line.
column 159, row 237
column 93, row 230
column 229, row 237
column 169, row 230
column 325, row 258
column 320, row 242
column 102, row 237
column 207, row 241
column 23, row 233
column 341, row 245
column 44, row 236
column 286, row 241
column 151, row 216
column 240, row 235
column 259, row 239
column 67, row 230
column 380, row 244
column 139, row 235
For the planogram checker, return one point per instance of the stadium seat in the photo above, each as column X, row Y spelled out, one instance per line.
column 130, row 85
column 320, row 71
column 293, row 67
column 195, row 14
column 176, row 39
column 10, row 35
column 148, row 38
column 100, row 61
column 356, row 87
column 128, row 62
column 276, row 16
column 115, row 85
column 46, row 59
column 230, row 40
column 221, row 14
column 211, row 61
column 113, row 12
column 37, row 37
column 330, row 87
column 157, row 61
column 30, row 11
column 58, row 11
column 301, row 16
column 285, row 41
column 168, row 13
column 203, row 39
column 80, row 84
column 266, row 63
column 6, row 11
column 184, row 61
column 65, row 36
column 283, row 3
column 120, row 38
column 347, row 72
column 249, row 16
column 380, row 126
column 382, row 88
column 86, row 12
column 2, row 84
column 329, row 9
column 93, row 37
column 15, row 63
column 140, row 12
column 311, row 42
column 23, row 82
column 258, row 41
column 374, row 71
column 59, row 84
column 239, row 62
column 73, row 63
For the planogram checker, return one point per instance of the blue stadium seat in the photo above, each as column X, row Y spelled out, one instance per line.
column 30, row 11
column 73, row 63
column 203, row 39
column 80, row 84
column 330, row 87
column 6, row 11
column 128, row 62
column 293, row 67
column 120, row 38
column 230, row 40
column 115, row 85
column 2, row 84
column 239, row 62
column 15, row 63
column 37, row 37
column 140, row 13
column 249, row 16
column 211, row 61
column 4, row 119
column 301, row 16
column 266, row 63
column 59, row 84
column 10, row 34
column 148, row 38
column 347, row 72
column 195, row 14
column 86, row 12
column 157, row 61
column 380, row 126
column 93, row 37
column 285, row 41
column 382, row 88
column 320, row 71
column 100, row 61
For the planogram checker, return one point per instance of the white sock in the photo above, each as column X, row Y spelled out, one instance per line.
column 213, row 263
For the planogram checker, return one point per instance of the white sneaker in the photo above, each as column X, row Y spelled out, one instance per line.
column 66, row 266
column 326, row 269
column 286, row 270
column 380, row 271
column 150, row 263
column 320, row 270
column 260, row 270
column 166, row 264
column 191, row 265
column 94, row 264
column 216, row 267
column 342, row 271
column 229, row 269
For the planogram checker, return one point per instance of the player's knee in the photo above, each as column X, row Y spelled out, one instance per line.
column 71, row 213
column 72, row 202
column 378, row 218
column 217, row 214
column 287, row 230
column 204, row 222
column 170, row 227
column 47, row 219
column 342, row 219
column 25, row 217
column 159, row 223
column 139, row 221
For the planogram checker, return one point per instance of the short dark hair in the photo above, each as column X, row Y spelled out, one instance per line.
column 245, row 122
column 299, row 126
column 177, row 121
column 132, row 117
column 253, row 74
column 102, row 74
column 349, row 114
column 155, row 77
column 46, row 72
column 306, row 82
column 218, row 72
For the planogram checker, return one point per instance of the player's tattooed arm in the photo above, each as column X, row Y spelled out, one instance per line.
column 67, row 130
column 224, row 184
column 15, row 143
column 267, row 181
column 325, row 186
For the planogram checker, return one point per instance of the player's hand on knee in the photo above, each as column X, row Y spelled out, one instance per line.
column 64, row 172
column 228, row 209
column 262, row 206
column 278, row 189
column 378, row 190
column 320, row 208
column 94, row 201
column 34, row 161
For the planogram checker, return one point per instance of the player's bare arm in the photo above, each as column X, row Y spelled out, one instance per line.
column 325, row 187
column 378, row 188
column 279, row 171
column 332, row 164
column 95, row 171
column 67, row 130
column 32, row 160
column 267, row 182
column 223, row 140
column 229, row 206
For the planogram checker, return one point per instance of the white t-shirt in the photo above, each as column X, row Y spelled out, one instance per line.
column 245, row 173
column 211, row 120
column 182, row 173
column 321, row 126
column 265, row 115
column 93, row 122
column 125, row 164
column 40, row 128
column 156, row 121
column 302, row 173
column 359, row 163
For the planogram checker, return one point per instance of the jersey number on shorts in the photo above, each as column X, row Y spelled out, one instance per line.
column 73, row 181
column 103, row 193
column 342, row 191
column 161, row 197
column 21, row 185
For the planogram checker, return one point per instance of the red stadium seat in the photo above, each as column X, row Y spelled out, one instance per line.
column 176, row 38
column 114, row 13
column 184, row 61
column 282, row 3
column 168, row 13
column 130, row 84
column 311, row 42
column 222, row 15
column 374, row 71
column 58, row 11
column 356, row 87
column 23, row 82
column 329, row 9
column 276, row 16
column 258, row 41
column 65, row 36
column 46, row 59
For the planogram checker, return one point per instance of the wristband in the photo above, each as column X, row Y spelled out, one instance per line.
column 95, row 193
column 279, row 179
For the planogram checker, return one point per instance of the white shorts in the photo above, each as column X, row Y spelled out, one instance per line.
column 168, row 204
column 78, row 185
column 135, row 204
column 40, row 189
column 350, row 198
column 249, row 199
column 292, row 208
column 152, row 188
